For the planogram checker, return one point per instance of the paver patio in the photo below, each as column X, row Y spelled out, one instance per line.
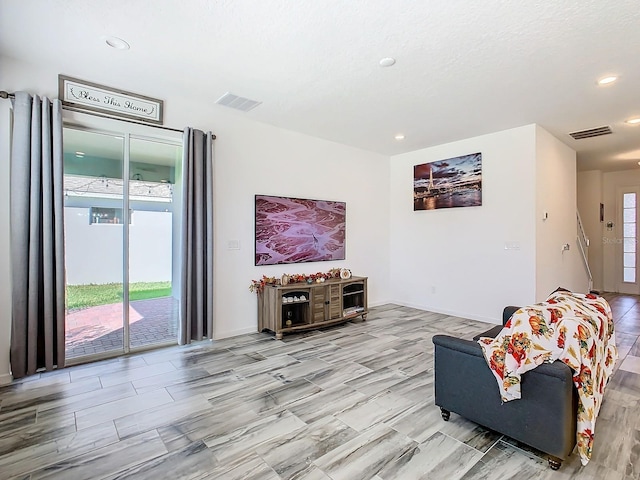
column 99, row 329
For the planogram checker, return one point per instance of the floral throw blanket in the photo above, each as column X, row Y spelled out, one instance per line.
column 575, row 328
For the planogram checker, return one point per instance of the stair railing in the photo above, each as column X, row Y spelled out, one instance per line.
column 583, row 244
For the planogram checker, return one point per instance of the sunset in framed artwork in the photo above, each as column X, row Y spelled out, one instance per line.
column 454, row 182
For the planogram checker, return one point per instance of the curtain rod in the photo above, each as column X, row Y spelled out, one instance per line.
column 4, row 94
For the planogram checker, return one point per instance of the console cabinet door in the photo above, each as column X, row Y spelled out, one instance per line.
column 327, row 302
column 335, row 303
column 318, row 303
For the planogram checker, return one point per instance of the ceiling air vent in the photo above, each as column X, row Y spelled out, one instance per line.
column 591, row 132
column 239, row 103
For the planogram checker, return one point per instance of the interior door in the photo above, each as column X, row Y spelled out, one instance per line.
column 627, row 241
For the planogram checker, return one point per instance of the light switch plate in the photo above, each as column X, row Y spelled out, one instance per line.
column 512, row 245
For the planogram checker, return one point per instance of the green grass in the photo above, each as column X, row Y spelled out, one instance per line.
column 82, row 296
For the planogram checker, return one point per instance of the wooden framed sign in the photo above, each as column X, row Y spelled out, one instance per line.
column 117, row 103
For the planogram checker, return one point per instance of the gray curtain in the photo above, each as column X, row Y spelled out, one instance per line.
column 37, row 236
column 196, row 306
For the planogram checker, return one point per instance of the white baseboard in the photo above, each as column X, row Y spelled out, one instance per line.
column 379, row 304
column 453, row 313
column 234, row 333
column 6, row 379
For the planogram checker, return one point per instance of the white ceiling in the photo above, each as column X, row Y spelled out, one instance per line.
column 464, row 67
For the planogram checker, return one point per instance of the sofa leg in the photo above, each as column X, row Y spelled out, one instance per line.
column 554, row 463
column 445, row 414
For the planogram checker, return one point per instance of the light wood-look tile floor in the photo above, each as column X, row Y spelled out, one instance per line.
column 350, row 402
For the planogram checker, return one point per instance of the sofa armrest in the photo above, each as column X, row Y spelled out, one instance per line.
column 556, row 369
column 459, row 344
column 507, row 312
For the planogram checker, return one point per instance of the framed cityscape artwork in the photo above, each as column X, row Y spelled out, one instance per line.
column 454, row 182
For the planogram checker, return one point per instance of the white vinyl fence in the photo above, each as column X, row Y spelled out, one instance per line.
column 94, row 251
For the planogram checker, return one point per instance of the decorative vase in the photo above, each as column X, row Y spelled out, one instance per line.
column 345, row 273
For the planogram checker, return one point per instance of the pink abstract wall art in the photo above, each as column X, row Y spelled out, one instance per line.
column 295, row 230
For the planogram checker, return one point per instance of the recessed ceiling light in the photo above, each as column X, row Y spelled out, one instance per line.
column 399, row 137
column 633, row 121
column 116, row 42
column 609, row 79
column 387, row 62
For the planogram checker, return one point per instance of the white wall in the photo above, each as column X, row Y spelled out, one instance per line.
column 460, row 252
column 556, row 195
column 611, row 182
column 250, row 158
column 589, row 198
column 254, row 158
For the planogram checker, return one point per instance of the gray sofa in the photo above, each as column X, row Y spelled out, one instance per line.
column 544, row 418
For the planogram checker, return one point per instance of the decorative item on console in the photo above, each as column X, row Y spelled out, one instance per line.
column 258, row 285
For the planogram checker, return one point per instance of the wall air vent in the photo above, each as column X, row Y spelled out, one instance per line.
column 239, row 103
column 591, row 132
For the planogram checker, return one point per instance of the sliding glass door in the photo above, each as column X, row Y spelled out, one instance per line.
column 93, row 186
column 154, row 310
column 120, row 226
